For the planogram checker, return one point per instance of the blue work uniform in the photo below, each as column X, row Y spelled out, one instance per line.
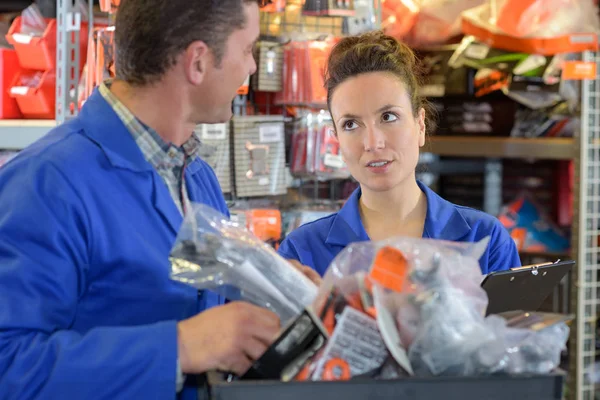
column 316, row 244
column 87, row 306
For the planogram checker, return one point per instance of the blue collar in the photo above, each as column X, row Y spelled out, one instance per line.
column 443, row 220
column 104, row 127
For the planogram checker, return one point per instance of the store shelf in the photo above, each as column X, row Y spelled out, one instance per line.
column 16, row 134
column 502, row 147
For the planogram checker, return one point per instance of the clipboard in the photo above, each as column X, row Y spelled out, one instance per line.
column 524, row 288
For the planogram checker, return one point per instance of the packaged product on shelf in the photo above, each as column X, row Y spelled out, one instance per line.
column 215, row 150
column 304, row 72
column 315, row 149
column 269, row 75
column 364, row 19
column 259, row 156
column 100, row 59
column 213, row 252
column 422, row 23
column 532, row 230
column 544, row 27
column 274, row 6
column 331, row 8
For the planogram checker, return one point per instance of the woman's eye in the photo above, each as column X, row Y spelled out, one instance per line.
column 349, row 125
column 389, row 117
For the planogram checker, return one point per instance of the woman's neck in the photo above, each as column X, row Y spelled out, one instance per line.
column 400, row 211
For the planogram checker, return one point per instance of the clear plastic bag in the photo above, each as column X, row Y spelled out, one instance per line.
column 212, row 252
column 32, row 21
column 430, row 308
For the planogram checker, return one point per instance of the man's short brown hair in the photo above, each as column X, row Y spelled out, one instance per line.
column 150, row 34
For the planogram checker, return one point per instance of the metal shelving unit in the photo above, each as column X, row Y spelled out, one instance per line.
column 503, row 147
column 16, row 134
column 585, row 291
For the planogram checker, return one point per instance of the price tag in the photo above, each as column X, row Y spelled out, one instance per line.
column 477, row 51
column 214, row 132
column 19, row 90
column 333, row 161
column 271, row 133
column 263, row 181
column 22, row 38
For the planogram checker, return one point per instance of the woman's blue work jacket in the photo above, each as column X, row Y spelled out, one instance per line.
column 316, row 244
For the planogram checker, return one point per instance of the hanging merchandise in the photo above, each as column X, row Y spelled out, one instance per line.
column 269, row 75
column 215, row 151
column 422, row 23
column 330, row 8
column 531, row 229
column 265, row 224
column 109, row 6
column 364, row 19
column 100, row 60
column 274, row 6
column 302, row 214
column 259, row 156
column 304, row 73
column 315, row 149
column 544, row 27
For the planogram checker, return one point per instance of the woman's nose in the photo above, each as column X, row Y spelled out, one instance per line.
column 374, row 140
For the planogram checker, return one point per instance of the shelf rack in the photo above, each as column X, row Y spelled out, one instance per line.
column 584, row 150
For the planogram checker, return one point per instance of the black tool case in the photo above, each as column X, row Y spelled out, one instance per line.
column 522, row 387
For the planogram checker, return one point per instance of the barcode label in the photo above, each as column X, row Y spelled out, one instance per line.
column 214, row 132
column 271, row 133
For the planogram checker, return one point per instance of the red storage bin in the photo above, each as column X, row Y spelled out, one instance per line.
column 39, row 53
column 9, row 69
column 37, row 102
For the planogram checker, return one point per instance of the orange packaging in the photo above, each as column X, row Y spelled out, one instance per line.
column 264, row 224
column 579, row 70
column 389, row 269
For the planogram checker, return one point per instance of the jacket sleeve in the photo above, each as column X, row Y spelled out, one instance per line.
column 503, row 252
column 44, row 257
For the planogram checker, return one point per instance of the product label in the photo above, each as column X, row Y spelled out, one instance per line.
column 579, row 70
column 477, row 51
column 20, row 90
column 263, row 181
column 271, row 133
column 355, row 343
column 21, row 38
column 333, row 161
column 214, row 132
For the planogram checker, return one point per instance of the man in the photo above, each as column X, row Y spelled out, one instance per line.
column 88, row 216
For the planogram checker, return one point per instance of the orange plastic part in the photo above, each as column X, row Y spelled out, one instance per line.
column 264, row 224
column 336, row 369
column 389, row 269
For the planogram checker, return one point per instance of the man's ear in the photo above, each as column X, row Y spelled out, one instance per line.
column 422, row 127
column 196, row 59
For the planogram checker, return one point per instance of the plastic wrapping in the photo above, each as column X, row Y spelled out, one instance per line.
column 535, row 26
column 33, row 22
column 430, row 308
column 424, row 22
column 212, row 252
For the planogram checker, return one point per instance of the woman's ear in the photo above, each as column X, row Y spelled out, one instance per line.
column 422, row 127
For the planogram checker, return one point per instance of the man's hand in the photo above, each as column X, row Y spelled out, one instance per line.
column 307, row 271
column 226, row 338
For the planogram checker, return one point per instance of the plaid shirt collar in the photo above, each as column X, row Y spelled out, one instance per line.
column 160, row 154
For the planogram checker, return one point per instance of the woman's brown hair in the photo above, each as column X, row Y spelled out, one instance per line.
column 376, row 52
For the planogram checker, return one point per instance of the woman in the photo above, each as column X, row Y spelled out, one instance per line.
column 380, row 122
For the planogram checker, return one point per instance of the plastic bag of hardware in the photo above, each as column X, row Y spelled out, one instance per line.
column 213, row 252
column 365, row 277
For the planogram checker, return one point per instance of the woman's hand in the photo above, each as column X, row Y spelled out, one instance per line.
column 307, row 271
